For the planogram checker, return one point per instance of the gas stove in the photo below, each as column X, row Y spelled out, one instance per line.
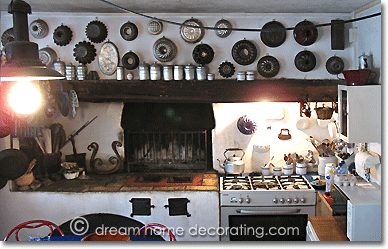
column 258, row 190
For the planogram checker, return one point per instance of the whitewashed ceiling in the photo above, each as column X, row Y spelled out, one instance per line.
column 197, row 6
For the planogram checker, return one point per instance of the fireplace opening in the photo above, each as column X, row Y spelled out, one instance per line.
column 169, row 137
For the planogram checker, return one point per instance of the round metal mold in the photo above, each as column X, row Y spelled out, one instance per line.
column 305, row 34
column 47, row 56
column 244, row 52
column 96, row 31
column 38, row 29
column 155, row 27
column 226, row 69
column 7, row 36
column 62, row 35
column 305, row 61
column 246, row 125
column 268, row 66
column 223, row 26
column 130, row 60
column 108, row 58
column 335, row 65
column 203, row 54
column 129, row 31
column 273, row 34
column 164, row 49
column 192, row 34
column 84, row 52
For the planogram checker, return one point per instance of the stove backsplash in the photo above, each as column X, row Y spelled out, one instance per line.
column 264, row 143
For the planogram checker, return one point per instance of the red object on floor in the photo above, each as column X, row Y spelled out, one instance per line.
column 27, row 225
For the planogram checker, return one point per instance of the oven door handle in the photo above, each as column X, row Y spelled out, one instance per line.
column 242, row 211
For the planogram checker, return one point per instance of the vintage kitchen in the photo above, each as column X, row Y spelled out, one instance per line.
column 263, row 117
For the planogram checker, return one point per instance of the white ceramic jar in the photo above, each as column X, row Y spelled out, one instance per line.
column 288, row 169
column 277, row 171
column 301, row 169
column 265, row 171
column 322, row 161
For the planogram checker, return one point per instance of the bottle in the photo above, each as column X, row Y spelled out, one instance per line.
column 329, row 176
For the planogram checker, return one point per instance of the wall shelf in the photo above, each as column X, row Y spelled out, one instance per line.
column 215, row 91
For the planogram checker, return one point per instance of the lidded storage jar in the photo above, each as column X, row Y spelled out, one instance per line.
column 179, row 73
column 190, row 72
column 156, row 71
column 144, row 71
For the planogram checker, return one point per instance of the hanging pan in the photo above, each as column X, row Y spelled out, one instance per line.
column 273, row 34
column 305, row 33
column 13, row 164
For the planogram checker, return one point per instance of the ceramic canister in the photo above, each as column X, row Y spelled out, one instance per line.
column 250, row 75
column 240, row 76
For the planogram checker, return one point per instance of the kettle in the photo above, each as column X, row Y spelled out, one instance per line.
column 233, row 164
column 365, row 61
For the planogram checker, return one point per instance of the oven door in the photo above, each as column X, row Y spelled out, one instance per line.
column 265, row 223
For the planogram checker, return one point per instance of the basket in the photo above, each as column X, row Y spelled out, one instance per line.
column 324, row 112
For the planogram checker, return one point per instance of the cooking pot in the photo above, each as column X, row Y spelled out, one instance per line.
column 233, row 164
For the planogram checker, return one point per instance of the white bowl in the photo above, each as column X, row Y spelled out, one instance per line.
column 277, row 171
column 70, row 176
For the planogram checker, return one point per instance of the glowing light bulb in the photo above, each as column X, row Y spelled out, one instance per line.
column 24, row 98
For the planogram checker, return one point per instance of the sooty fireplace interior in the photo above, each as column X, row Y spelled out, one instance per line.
column 173, row 137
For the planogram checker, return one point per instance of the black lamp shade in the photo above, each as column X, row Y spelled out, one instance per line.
column 22, row 56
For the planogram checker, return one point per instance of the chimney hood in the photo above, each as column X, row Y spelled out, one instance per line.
column 166, row 117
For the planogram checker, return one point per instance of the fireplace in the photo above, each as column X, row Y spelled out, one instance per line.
column 167, row 137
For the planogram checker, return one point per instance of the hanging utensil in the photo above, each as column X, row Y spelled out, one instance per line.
column 63, row 101
column 72, row 135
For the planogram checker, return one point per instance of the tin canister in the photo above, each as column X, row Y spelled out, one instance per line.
column 60, row 66
column 82, row 71
column 365, row 61
column 156, row 71
column 168, row 72
column 179, row 73
column 202, row 72
column 120, row 73
column 190, row 72
column 130, row 76
column 70, row 72
column 144, row 71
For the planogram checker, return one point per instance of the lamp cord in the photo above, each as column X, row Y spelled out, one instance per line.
column 240, row 29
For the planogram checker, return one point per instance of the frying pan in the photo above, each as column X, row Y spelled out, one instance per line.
column 3, row 182
column 13, row 164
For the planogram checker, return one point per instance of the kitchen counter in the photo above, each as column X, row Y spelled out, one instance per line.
column 119, row 182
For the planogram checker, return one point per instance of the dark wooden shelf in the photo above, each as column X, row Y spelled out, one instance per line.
column 215, row 91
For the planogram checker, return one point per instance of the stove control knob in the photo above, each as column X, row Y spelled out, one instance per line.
column 296, row 200
column 275, row 200
column 281, row 200
column 233, row 199
column 303, row 200
column 248, row 200
column 241, row 200
column 289, row 200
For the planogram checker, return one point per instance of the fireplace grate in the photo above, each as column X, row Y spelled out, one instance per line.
column 165, row 150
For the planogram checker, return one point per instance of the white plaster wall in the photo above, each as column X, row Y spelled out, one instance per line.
column 61, row 207
column 226, row 134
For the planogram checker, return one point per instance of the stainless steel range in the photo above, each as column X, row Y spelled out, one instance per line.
column 265, row 207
